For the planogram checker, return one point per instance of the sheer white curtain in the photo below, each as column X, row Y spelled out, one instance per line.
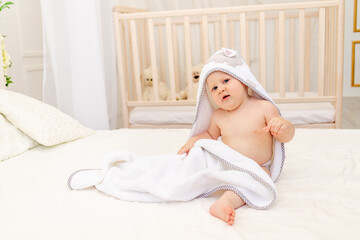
column 79, row 60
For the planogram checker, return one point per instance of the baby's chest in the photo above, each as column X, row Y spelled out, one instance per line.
column 245, row 130
column 245, row 121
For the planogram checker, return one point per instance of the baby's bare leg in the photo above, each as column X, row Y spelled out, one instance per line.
column 224, row 207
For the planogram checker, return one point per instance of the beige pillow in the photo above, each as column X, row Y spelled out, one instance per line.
column 12, row 140
column 43, row 123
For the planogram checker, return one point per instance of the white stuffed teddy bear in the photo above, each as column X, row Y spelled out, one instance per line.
column 148, row 91
column 184, row 94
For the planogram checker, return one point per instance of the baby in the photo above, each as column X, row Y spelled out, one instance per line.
column 246, row 124
column 251, row 130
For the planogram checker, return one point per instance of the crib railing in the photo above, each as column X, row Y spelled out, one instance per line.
column 291, row 48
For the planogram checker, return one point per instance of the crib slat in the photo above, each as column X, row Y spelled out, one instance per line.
column 217, row 35
column 282, row 53
column 301, row 56
column 321, row 65
column 276, row 55
column 307, row 52
column 170, row 51
column 161, row 51
column 262, row 49
column 205, row 38
column 147, row 47
column 188, row 57
column 232, row 35
column 248, row 52
column 243, row 37
column 331, row 71
column 143, row 44
column 130, row 73
column 153, row 58
column 327, row 82
column 176, row 57
column 292, row 55
column 140, row 36
column 120, row 68
column 223, row 31
column 135, row 54
column 127, row 57
column 332, row 47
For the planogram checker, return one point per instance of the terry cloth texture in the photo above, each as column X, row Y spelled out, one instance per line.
column 210, row 166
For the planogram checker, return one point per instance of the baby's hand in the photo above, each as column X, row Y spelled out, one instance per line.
column 190, row 143
column 187, row 147
column 281, row 129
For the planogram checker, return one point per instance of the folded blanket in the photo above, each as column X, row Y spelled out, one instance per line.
column 210, row 166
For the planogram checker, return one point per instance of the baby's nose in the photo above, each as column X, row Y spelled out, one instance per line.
column 221, row 89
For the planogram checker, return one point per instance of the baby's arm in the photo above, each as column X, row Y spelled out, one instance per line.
column 190, row 143
column 213, row 132
column 281, row 129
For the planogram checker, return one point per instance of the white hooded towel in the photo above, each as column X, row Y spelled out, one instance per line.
column 210, row 165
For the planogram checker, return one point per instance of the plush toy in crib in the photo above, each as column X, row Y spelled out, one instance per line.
column 148, row 91
column 184, row 94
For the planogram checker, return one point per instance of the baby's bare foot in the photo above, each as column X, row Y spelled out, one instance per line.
column 224, row 211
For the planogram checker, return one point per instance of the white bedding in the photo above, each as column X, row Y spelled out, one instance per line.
column 318, row 193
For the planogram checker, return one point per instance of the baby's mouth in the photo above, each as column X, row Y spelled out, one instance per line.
column 226, row 97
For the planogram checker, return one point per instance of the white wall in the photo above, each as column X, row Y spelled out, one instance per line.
column 22, row 25
column 349, row 37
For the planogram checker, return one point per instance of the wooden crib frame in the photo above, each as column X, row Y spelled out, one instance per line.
column 139, row 45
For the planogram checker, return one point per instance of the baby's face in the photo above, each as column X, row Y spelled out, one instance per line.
column 227, row 92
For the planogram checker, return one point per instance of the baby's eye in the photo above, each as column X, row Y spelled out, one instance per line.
column 214, row 88
column 226, row 80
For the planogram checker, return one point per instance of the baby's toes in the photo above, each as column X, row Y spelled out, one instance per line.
column 231, row 218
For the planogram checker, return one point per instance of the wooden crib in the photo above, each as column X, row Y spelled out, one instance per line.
column 294, row 49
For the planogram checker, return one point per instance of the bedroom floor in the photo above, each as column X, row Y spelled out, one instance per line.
column 351, row 112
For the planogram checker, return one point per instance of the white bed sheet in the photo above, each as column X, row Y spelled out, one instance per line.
column 297, row 113
column 318, row 193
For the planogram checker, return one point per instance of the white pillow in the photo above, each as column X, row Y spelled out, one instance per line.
column 41, row 122
column 12, row 140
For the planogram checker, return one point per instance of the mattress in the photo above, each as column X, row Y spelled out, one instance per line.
column 297, row 113
column 318, row 193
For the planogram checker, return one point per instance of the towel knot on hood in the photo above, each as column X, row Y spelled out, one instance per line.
column 228, row 56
